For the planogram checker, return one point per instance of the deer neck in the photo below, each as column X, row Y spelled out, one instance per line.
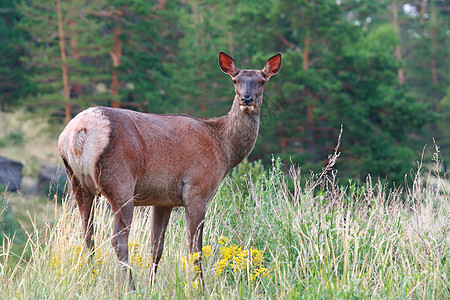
column 239, row 134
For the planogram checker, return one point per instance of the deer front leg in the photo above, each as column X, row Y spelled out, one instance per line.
column 160, row 219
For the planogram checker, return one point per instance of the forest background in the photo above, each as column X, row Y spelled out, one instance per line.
column 379, row 68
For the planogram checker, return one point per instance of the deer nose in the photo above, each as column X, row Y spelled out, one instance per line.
column 247, row 99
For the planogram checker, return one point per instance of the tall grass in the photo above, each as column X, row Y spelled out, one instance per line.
column 318, row 239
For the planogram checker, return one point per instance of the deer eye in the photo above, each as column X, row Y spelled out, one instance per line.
column 263, row 81
column 234, row 81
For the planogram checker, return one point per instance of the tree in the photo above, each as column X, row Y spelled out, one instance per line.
column 425, row 30
column 198, row 83
column 337, row 69
column 398, row 50
column 64, row 53
column 145, row 36
column 13, row 83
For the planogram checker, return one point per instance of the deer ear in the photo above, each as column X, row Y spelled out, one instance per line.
column 272, row 66
column 227, row 64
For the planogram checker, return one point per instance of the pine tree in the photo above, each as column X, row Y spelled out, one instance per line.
column 145, row 36
column 64, row 54
column 13, row 84
column 337, row 69
column 425, row 30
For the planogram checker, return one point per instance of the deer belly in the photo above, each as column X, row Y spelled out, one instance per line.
column 152, row 193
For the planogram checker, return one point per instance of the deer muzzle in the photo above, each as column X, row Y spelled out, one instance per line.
column 247, row 103
column 247, row 100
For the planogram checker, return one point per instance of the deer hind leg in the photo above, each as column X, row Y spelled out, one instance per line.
column 85, row 200
column 122, row 206
column 85, row 206
column 160, row 219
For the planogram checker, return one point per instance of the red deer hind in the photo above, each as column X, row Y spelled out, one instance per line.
column 136, row 159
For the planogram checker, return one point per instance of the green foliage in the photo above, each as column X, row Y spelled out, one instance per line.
column 243, row 175
column 443, row 125
column 13, row 82
column 349, row 79
column 426, row 67
column 12, row 138
column 57, row 191
column 10, row 227
column 86, row 64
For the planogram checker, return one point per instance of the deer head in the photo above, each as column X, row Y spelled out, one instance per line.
column 249, row 84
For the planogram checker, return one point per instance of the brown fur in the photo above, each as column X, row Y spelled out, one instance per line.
column 136, row 159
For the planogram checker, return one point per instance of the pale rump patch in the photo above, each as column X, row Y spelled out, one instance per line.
column 78, row 142
column 83, row 141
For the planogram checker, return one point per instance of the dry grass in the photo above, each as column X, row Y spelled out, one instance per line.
column 317, row 240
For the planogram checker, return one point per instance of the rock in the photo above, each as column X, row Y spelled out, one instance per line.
column 50, row 176
column 10, row 174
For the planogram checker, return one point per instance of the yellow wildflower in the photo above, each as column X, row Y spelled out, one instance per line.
column 220, row 265
column 134, row 246
column 195, row 256
column 99, row 256
column 148, row 262
column 197, row 269
column 137, row 260
column 230, row 251
column 265, row 272
column 224, row 240
column 190, row 261
column 207, row 251
column 256, row 256
column 194, row 284
column 78, row 249
column 239, row 259
column 55, row 262
column 94, row 273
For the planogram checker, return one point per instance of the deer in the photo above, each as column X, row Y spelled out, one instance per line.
column 160, row 160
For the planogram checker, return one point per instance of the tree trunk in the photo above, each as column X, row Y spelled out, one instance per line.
column 422, row 10
column 75, row 89
column 230, row 43
column 312, row 149
column 161, row 5
column 116, row 56
column 398, row 51
column 306, row 52
column 65, row 77
column 74, row 41
column 433, row 48
column 434, row 77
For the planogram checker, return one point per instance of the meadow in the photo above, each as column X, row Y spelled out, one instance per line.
column 270, row 237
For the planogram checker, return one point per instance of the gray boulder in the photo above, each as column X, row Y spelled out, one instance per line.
column 10, row 174
column 50, row 177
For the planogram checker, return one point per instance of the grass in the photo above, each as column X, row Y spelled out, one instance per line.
column 319, row 239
